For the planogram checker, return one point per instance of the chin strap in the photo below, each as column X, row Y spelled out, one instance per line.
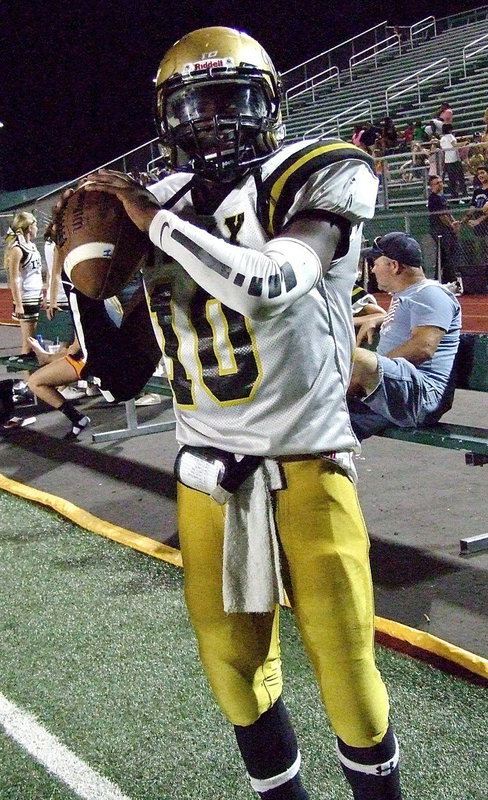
column 257, row 284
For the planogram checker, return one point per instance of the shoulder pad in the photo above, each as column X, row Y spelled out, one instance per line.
column 296, row 164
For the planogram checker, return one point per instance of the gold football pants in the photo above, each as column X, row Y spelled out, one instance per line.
column 326, row 569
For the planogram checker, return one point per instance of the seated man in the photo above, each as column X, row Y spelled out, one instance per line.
column 409, row 381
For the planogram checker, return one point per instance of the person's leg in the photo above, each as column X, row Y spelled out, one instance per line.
column 42, row 355
column 452, row 177
column 327, row 551
column 365, row 373
column 240, row 654
column 461, row 181
column 449, row 257
column 364, row 421
column 44, row 382
column 270, row 752
column 27, row 329
column 402, row 396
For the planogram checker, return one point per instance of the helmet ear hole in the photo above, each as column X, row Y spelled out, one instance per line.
column 218, row 103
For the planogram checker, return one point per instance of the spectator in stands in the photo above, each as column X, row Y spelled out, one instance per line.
column 435, row 157
column 419, row 131
column 452, row 161
column 445, row 113
column 444, row 230
column 433, row 129
column 409, row 380
column 407, row 135
column 388, row 136
column 475, row 157
column 357, row 135
column 419, row 158
column 381, row 165
column 370, row 135
column 426, row 156
column 476, row 216
column 24, row 270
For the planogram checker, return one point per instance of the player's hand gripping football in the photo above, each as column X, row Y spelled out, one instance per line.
column 140, row 205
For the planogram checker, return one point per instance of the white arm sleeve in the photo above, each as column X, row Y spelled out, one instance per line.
column 256, row 283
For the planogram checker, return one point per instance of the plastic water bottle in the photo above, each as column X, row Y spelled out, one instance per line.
column 40, row 339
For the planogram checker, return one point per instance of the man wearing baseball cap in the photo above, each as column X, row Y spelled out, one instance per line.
column 409, row 380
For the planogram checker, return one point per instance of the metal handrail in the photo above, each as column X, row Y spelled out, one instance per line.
column 376, row 51
column 102, row 166
column 477, row 13
column 414, row 81
column 416, row 30
column 337, row 117
column 331, row 49
column 471, row 55
column 150, row 164
column 311, row 84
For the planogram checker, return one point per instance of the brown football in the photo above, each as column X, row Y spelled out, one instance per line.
column 99, row 245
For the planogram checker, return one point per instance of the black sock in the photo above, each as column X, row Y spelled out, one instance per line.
column 382, row 780
column 269, row 749
column 70, row 411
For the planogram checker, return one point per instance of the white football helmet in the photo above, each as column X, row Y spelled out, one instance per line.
column 218, row 103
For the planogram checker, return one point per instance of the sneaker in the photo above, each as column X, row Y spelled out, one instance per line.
column 150, row 399
column 72, row 393
column 17, row 422
column 75, row 431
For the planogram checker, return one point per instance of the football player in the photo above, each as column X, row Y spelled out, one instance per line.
column 253, row 314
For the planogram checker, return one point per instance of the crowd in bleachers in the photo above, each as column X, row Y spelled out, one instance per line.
column 432, row 146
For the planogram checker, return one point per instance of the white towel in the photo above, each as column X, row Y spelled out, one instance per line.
column 251, row 574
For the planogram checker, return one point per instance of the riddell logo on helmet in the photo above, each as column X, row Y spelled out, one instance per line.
column 208, row 63
column 214, row 62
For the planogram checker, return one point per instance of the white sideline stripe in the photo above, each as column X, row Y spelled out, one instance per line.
column 61, row 762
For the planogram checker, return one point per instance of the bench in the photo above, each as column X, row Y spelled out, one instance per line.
column 472, row 374
column 157, row 384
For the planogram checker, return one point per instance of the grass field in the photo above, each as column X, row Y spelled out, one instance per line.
column 95, row 647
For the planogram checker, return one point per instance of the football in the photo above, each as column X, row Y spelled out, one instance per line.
column 99, row 245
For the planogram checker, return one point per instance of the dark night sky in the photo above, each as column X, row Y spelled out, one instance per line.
column 76, row 76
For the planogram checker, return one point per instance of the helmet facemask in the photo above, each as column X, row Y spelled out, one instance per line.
column 219, row 122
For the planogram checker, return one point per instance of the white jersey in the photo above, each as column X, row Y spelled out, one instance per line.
column 274, row 386
column 30, row 270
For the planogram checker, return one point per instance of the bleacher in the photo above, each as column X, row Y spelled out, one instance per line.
column 422, row 44
column 307, row 116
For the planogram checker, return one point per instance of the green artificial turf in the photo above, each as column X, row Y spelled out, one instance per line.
column 95, row 642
